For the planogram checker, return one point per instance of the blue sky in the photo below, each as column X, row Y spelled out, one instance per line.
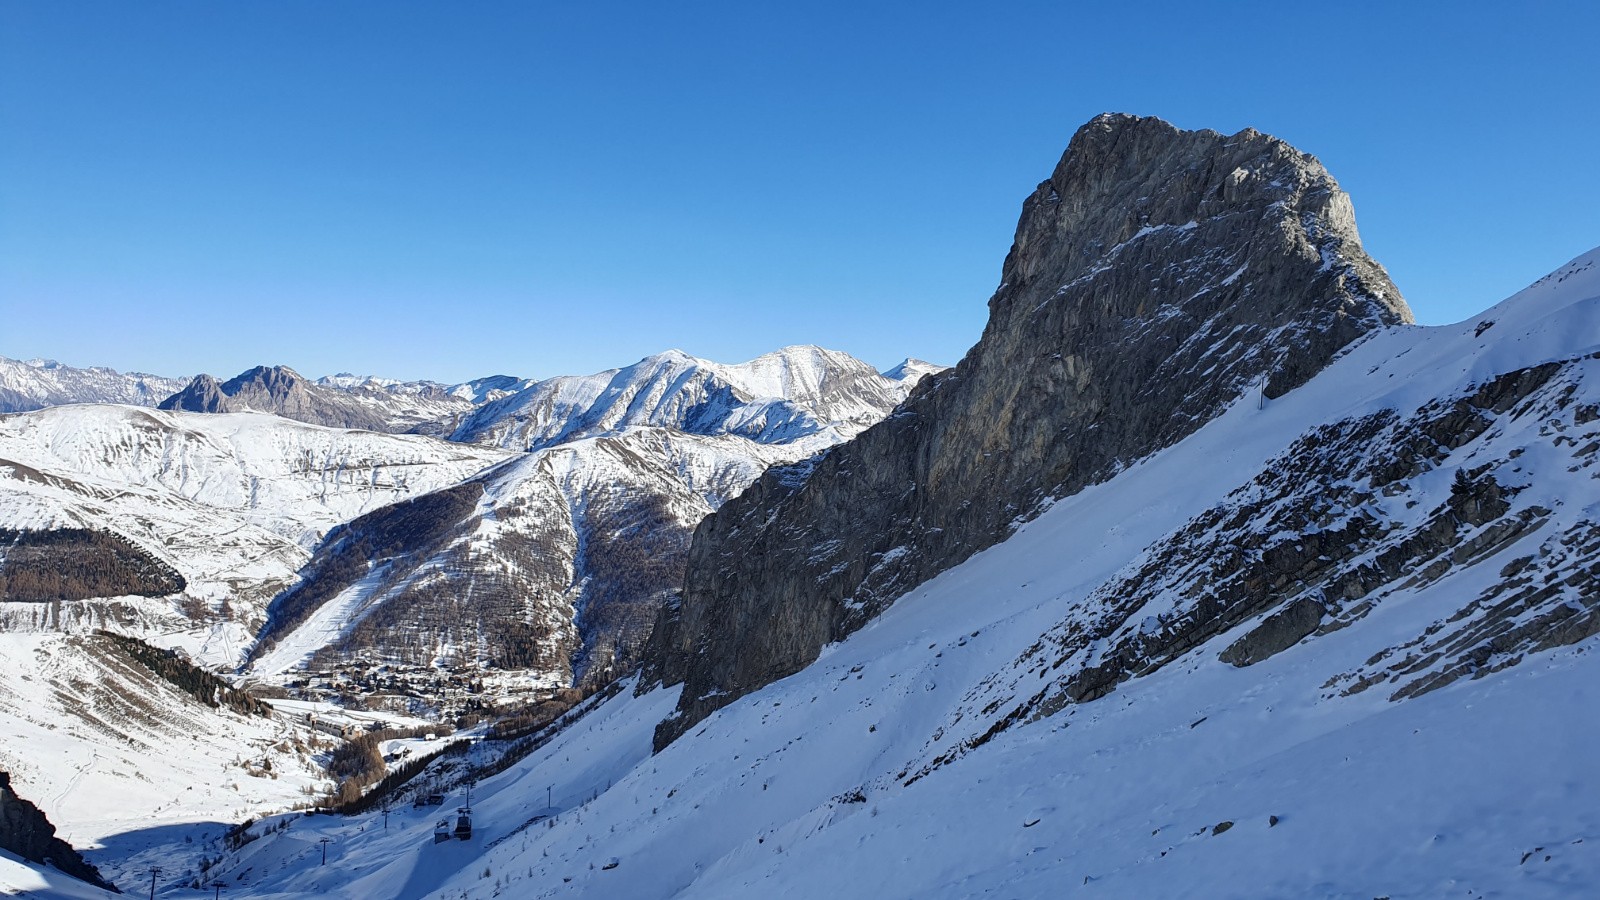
column 433, row 190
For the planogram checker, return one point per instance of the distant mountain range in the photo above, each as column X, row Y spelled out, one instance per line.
column 539, row 525
column 38, row 383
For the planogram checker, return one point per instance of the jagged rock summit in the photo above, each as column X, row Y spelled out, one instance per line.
column 1157, row 277
column 281, row 391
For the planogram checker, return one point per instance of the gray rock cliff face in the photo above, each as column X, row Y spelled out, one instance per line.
column 278, row 390
column 1158, row 276
column 203, row 394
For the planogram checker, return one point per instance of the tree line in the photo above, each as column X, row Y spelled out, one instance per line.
column 79, row 564
column 175, row 669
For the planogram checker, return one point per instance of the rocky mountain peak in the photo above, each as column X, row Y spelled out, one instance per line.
column 281, row 391
column 912, row 370
column 275, row 381
column 1157, row 277
column 203, row 394
column 1131, row 189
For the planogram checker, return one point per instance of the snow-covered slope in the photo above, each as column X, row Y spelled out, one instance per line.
column 122, row 760
column 781, row 396
column 555, row 563
column 234, row 502
column 942, row 751
column 38, row 383
column 21, row 878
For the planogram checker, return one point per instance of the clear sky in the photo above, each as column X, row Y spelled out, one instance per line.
column 448, row 190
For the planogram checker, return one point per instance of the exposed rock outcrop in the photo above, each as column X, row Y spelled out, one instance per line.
column 25, row 831
column 1277, row 633
column 281, row 391
column 1158, row 276
column 1353, row 515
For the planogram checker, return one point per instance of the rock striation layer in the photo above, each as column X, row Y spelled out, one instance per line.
column 1156, row 277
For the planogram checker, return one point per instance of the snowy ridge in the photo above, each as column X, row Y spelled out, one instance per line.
column 38, row 383
column 781, row 396
column 530, row 548
column 426, row 406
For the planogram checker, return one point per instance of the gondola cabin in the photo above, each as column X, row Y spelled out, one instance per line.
column 464, row 824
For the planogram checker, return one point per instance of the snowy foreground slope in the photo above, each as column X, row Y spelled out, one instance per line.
column 121, row 760
column 894, row 766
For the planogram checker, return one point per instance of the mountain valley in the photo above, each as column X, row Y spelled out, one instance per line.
column 1205, row 572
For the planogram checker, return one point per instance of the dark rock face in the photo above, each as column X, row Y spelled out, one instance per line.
column 25, row 831
column 1277, row 633
column 1157, row 276
column 281, row 391
column 203, row 394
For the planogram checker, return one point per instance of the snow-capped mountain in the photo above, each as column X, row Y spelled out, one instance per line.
column 782, row 396
column 38, row 383
column 233, row 502
column 557, row 562
column 911, row 370
column 338, row 402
